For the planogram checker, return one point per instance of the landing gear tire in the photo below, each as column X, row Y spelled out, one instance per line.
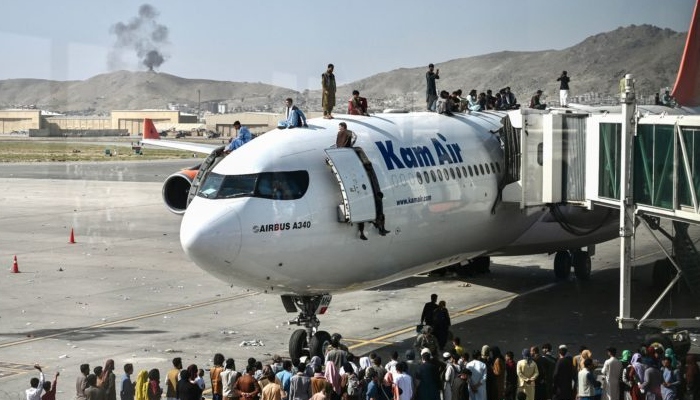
column 562, row 265
column 582, row 265
column 318, row 343
column 297, row 345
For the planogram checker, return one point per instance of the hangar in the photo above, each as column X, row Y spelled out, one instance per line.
column 38, row 123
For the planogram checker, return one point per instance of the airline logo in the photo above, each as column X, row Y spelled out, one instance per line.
column 441, row 153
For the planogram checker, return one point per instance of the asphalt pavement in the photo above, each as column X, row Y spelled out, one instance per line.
column 126, row 291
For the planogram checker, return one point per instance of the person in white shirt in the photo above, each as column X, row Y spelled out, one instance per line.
column 449, row 376
column 37, row 385
column 612, row 372
column 403, row 381
column 228, row 379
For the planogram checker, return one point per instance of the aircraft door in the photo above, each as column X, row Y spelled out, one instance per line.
column 355, row 186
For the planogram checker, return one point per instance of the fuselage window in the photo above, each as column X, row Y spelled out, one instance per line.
column 488, row 171
column 439, row 175
column 419, row 177
column 452, row 173
column 476, row 170
column 426, row 176
column 481, row 168
column 459, row 174
column 268, row 185
column 493, row 168
column 464, row 171
column 432, row 175
column 447, row 175
column 498, row 167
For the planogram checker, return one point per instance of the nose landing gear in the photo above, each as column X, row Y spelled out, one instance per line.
column 309, row 341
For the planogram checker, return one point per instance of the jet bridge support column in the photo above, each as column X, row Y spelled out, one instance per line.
column 629, row 125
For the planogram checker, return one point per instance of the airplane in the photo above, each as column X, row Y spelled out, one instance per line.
column 281, row 214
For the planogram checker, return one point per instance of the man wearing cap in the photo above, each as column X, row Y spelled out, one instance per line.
column 449, row 377
column 563, row 377
column 612, row 372
column 535, row 101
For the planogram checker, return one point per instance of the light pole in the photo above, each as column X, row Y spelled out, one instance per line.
column 199, row 103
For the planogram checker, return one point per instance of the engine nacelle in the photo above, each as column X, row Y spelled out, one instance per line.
column 176, row 189
column 181, row 187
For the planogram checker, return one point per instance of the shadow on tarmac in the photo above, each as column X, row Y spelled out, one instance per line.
column 573, row 312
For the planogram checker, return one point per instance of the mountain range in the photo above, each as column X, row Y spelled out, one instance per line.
column 595, row 66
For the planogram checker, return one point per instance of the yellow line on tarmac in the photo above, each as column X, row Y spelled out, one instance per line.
column 129, row 319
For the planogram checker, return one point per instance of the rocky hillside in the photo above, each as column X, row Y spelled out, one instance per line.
column 594, row 65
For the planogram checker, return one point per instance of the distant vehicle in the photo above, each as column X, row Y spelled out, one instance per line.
column 212, row 134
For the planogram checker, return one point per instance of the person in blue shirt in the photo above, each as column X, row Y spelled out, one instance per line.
column 373, row 385
column 285, row 377
column 295, row 118
column 128, row 390
column 244, row 136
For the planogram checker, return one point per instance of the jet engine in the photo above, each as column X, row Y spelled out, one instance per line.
column 180, row 187
column 176, row 190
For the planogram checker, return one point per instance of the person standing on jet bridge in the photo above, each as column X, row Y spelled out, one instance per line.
column 431, row 95
column 328, row 86
column 563, row 89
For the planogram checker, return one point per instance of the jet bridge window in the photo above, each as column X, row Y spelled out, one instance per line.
column 268, row 185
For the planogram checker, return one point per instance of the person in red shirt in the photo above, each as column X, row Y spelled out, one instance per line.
column 50, row 389
column 357, row 105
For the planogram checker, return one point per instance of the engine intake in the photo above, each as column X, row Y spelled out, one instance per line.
column 176, row 189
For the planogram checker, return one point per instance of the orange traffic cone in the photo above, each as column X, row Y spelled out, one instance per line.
column 72, row 237
column 15, row 266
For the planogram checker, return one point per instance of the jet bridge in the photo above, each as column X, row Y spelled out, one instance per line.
column 643, row 161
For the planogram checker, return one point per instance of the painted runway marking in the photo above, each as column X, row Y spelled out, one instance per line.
column 129, row 319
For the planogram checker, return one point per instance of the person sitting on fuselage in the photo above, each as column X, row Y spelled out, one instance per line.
column 295, row 117
column 472, row 101
column 357, row 105
column 244, row 136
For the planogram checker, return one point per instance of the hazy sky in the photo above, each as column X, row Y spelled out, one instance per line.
column 289, row 43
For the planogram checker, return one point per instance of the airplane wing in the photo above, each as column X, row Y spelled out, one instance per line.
column 152, row 137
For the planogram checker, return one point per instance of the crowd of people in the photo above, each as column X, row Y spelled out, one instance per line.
column 447, row 372
column 436, row 367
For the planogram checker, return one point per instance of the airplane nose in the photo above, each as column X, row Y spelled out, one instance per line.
column 210, row 235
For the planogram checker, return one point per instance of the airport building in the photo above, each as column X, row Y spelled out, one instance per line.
column 38, row 123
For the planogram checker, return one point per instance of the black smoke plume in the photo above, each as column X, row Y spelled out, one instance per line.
column 143, row 35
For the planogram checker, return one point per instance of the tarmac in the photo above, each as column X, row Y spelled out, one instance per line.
column 126, row 291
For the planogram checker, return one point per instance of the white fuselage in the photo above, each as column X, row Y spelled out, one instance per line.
column 300, row 247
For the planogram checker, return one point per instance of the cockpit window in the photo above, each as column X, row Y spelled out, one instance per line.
column 268, row 185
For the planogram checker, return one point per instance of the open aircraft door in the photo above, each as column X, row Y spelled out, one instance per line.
column 355, row 186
